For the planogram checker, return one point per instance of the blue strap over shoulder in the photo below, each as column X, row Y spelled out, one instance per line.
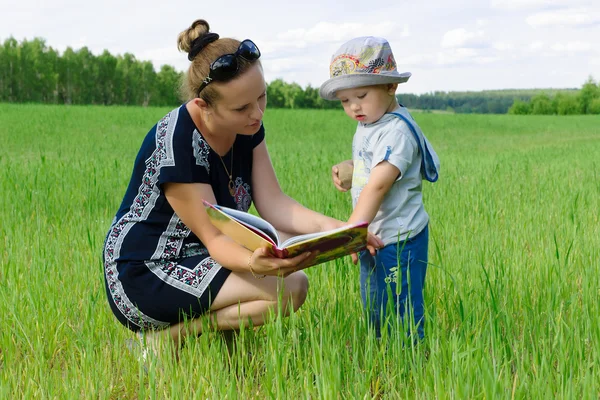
column 430, row 163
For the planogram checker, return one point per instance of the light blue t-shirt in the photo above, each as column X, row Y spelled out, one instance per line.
column 402, row 214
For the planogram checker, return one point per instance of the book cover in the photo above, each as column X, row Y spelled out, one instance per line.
column 253, row 232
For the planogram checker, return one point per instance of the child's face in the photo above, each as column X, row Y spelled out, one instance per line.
column 368, row 103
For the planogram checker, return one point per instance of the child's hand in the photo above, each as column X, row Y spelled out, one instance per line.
column 373, row 243
column 341, row 174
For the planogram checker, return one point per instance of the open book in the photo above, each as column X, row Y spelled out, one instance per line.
column 253, row 232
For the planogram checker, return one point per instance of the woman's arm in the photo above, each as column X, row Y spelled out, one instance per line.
column 186, row 201
column 283, row 212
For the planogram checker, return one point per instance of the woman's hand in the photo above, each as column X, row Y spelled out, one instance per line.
column 262, row 262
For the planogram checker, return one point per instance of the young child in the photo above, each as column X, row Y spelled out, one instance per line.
column 390, row 158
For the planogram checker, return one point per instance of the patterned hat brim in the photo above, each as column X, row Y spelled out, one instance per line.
column 349, row 81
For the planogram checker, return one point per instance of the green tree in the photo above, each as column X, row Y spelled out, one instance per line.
column 312, row 99
column 542, row 105
column 38, row 69
column 146, row 83
column 587, row 94
column 167, row 81
column 594, row 107
column 87, row 72
column 13, row 72
column 67, row 76
column 51, row 62
column 4, row 77
column 520, row 108
column 293, row 95
column 129, row 74
column 105, row 87
column 276, row 93
column 566, row 104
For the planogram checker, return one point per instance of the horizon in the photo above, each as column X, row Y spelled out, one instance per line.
column 508, row 89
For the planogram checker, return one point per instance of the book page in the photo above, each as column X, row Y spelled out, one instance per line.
column 251, row 221
column 309, row 236
column 242, row 233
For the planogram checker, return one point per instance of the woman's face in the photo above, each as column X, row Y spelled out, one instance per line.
column 242, row 102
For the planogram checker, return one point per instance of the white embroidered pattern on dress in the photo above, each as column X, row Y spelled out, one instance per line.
column 171, row 239
column 243, row 195
column 193, row 281
column 140, row 208
column 201, row 150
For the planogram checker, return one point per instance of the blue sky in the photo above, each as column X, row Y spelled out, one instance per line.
column 457, row 45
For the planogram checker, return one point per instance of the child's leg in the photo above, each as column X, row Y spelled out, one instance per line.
column 388, row 279
column 413, row 259
column 369, row 290
column 405, row 283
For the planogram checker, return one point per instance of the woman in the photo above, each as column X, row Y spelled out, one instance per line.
column 165, row 263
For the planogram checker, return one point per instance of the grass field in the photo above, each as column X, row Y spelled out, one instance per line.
column 512, row 289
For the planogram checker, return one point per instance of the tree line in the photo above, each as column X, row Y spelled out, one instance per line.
column 33, row 72
column 584, row 101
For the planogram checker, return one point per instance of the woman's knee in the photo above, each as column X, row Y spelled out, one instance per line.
column 296, row 285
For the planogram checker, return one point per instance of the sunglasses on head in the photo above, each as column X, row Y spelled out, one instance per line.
column 226, row 66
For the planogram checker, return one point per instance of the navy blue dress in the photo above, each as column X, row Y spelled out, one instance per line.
column 157, row 272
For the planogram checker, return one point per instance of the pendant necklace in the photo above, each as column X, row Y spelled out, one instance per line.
column 230, row 174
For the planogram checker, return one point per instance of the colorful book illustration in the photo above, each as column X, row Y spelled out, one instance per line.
column 253, row 232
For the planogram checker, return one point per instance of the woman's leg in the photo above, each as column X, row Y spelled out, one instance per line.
column 242, row 299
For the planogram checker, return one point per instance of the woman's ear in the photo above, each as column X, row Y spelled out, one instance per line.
column 204, row 108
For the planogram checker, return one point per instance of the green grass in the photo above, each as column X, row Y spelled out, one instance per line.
column 512, row 289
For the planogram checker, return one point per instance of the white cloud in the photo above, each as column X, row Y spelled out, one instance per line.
column 486, row 59
column 456, row 56
column 164, row 55
column 528, row 4
column 329, row 32
column 570, row 17
column 415, row 60
column 457, row 38
column 572, row 47
column 405, row 31
column 536, row 45
column 502, row 46
column 282, row 65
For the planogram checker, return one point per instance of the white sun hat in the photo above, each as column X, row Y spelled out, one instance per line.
column 363, row 61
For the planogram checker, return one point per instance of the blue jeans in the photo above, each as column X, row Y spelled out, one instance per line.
column 387, row 290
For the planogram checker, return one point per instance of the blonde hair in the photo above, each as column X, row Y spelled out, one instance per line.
column 199, row 68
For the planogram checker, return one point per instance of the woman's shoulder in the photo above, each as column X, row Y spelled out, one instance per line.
column 176, row 122
column 180, row 116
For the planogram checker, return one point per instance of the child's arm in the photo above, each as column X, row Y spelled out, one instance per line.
column 380, row 181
